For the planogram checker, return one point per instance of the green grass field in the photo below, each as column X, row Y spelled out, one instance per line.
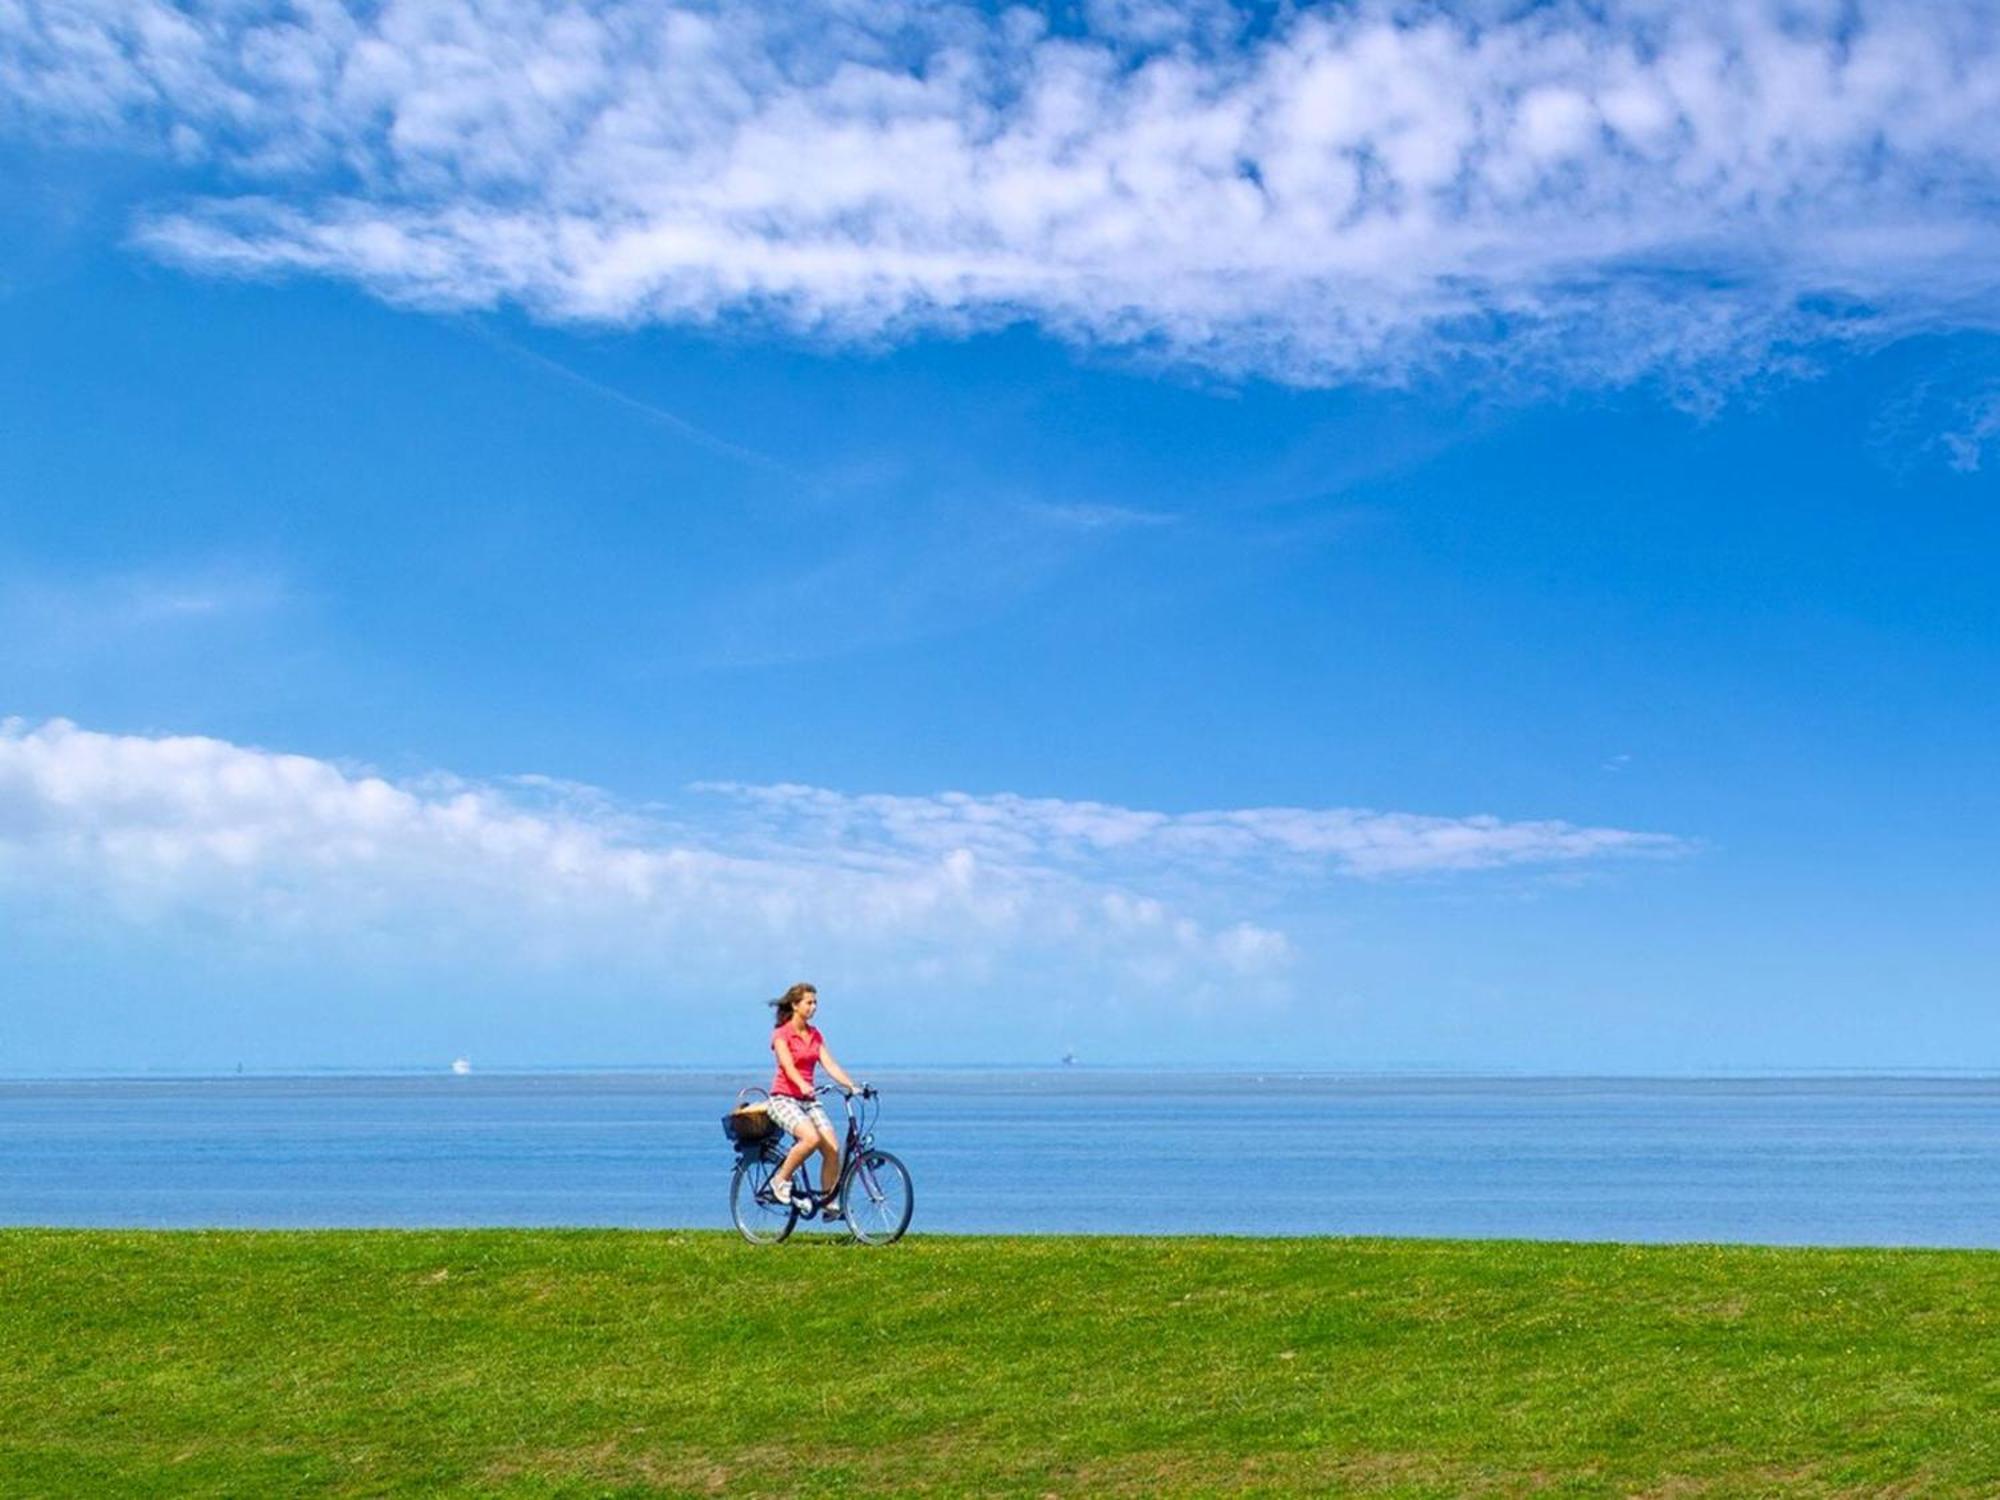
column 573, row 1362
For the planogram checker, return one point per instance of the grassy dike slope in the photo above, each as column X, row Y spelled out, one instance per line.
column 574, row 1362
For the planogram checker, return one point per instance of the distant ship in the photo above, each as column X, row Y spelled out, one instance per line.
column 1069, row 1059
column 461, row 1066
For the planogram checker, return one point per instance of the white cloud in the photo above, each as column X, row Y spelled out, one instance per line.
column 1281, row 843
column 50, row 624
column 1096, row 516
column 1979, row 426
column 1599, row 192
column 122, row 604
column 283, row 850
column 1950, row 416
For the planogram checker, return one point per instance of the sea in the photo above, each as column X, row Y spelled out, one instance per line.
column 1816, row 1160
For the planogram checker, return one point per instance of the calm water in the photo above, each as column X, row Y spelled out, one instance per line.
column 1885, row 1161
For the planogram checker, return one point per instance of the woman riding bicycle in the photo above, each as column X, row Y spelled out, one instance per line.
column 798, row 1047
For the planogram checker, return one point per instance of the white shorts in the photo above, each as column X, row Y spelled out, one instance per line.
column 794, row 1115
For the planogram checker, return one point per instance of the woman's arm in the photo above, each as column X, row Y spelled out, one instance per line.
column 839, row 1073
column 785, row 1064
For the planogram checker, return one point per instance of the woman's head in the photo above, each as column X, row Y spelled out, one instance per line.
column 799, row 999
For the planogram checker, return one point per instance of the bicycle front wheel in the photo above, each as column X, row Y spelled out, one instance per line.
column 760, row 1218
column 879, row 1199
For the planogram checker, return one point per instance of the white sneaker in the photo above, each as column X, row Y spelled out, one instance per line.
column 781, row 1189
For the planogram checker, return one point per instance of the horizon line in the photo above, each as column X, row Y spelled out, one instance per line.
column 1707, row 1072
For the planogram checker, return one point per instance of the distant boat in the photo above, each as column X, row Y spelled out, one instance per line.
column 461, row 1066
column 1069, row 1059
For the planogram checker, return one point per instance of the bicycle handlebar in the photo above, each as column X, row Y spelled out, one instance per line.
column 866, row 1091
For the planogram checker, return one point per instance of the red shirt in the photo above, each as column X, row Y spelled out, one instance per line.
column 804, row 1052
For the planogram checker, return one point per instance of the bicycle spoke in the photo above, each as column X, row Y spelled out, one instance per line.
column 880, row 1212
column 759, row 1217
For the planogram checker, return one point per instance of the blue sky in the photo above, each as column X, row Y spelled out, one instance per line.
column 1361, row 539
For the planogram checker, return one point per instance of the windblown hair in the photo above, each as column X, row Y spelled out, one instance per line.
column 785, row 1003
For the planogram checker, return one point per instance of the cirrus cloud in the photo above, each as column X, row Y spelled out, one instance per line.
column 1366, row 191
column 1291, row 844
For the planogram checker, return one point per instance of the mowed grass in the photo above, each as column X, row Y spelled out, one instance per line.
column 573, row 1362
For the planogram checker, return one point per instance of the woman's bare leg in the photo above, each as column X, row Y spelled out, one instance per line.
column 829, row 1165
column 802, row 1147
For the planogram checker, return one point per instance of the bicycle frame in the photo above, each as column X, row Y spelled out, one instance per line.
column 811, row 1201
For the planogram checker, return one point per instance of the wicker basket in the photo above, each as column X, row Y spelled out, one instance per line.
column 749, row 1125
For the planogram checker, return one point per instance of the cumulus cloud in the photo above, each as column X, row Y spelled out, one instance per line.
column 293, row 849
column 1602, row 192
column 288, row 848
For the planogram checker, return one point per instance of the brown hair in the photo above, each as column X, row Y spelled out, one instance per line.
column 784, row 1004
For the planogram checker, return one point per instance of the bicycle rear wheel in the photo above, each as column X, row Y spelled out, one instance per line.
column 760, row 1218
column 879, row 1199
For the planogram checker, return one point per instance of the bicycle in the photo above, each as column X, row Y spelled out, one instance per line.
column 874, row 1188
